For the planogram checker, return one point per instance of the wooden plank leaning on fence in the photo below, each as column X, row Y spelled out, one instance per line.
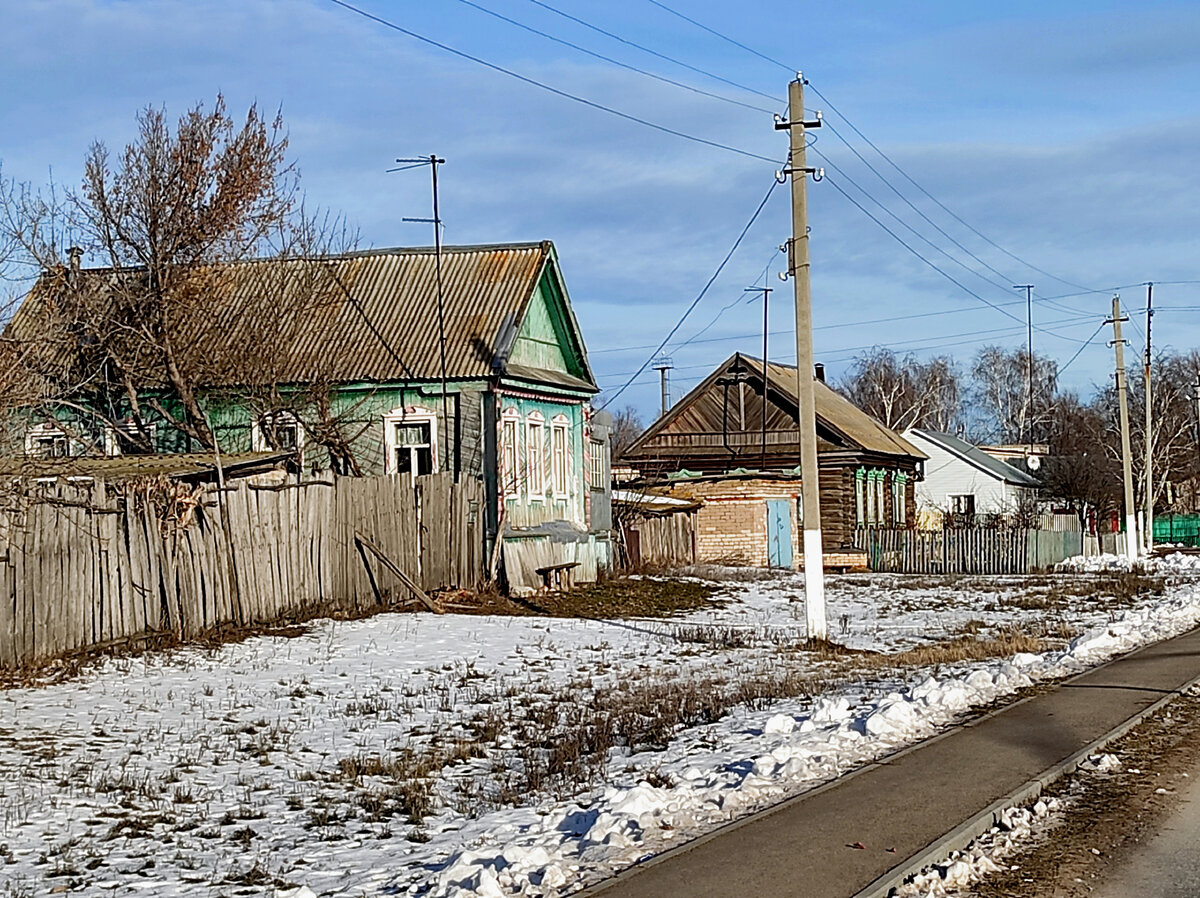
column 365, row 542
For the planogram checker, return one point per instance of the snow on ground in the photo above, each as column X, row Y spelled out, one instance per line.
column 1179, row 562
column 1015, row 828
column 437, row 756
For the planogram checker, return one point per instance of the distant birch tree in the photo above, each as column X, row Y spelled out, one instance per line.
column 904, row 392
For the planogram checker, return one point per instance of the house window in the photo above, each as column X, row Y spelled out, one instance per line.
column 899, row 508
column 509, row 451
column 962, row 504
column 596, row 465
column 47, row 441
column 277, row 431
column 113, row 441
column 535, row 456
column 410, row 442
column 878, row 492
column 558, row 455
column 860, row 497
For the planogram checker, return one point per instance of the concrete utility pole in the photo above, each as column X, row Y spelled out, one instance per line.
column 662, row 365
column 1197, row 395
column 1149, row 529
column 1131, row 540
column 798, row 265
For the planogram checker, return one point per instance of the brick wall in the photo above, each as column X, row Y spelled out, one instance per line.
column 732, row 524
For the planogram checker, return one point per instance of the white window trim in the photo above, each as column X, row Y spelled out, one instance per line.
column 560, row 424
column 509, row 475
column 535, row 457
column 408, row 415
column 595, row 464
column 41, row 431
column 112, row 447
column 258, row 439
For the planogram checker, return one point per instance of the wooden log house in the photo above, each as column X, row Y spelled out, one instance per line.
column 723, row 444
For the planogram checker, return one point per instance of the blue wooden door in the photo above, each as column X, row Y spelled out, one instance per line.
column 779, row 533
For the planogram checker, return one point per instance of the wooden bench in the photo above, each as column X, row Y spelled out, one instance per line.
column 557, row 576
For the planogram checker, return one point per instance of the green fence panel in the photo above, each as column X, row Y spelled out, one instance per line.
column 1177, row 528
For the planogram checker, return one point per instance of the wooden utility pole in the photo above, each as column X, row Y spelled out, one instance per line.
column 1148, row 531
column 798, row 265
column 1131, row 540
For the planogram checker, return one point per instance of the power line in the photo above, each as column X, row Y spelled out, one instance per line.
column 911, row 205
column 741, row 298
column 548, row 88
column 915, row 343
column 655, row 53
column 611, row 61
column 946, row 275
column 1086, row 344
column 696, row 301
column 724, row 37
column 935, row 200
column 905, row 224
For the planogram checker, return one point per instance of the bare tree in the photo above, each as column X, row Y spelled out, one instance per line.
column 626, row 427
column 1172, row 424
column 141, row 339
column 1000, row 395
column 1079, row 471
column 905, row 392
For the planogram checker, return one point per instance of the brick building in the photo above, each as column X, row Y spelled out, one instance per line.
column 724, row 445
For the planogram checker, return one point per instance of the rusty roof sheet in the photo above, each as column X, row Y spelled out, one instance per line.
column 369, row 315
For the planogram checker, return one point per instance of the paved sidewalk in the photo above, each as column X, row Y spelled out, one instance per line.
column 917, row 801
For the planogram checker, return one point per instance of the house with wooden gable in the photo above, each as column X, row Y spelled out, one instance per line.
column 732, row 443
column 402, row 362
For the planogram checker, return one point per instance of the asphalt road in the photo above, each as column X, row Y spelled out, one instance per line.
column 1167, row 865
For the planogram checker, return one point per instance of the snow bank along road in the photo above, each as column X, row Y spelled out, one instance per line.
column 396, row 755
column 862, row 834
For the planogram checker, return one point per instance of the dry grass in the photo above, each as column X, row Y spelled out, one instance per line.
column 610, row 599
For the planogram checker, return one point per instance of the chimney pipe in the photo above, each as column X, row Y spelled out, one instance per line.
column 74, row 257
column 820, row 372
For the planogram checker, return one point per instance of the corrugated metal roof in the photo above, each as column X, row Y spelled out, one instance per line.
column 977, row 457
column 840, row 413
column 370, row 315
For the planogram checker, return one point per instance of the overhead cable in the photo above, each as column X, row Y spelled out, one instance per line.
column 549, row 88
column 701, row 295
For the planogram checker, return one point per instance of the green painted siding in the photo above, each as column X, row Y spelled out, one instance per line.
column 544, row 339
column 530, row 494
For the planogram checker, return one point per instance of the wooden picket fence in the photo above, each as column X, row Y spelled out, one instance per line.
column 969, row 551
column 85, row 566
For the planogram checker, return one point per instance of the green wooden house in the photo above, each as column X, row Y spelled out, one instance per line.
column 370, row 372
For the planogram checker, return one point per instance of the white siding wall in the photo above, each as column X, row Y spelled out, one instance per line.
column 947, row 475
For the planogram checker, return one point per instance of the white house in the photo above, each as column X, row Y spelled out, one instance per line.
column 963, row 479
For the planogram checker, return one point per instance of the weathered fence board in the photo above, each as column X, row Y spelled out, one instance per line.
column 969, row 551
column 82, row 568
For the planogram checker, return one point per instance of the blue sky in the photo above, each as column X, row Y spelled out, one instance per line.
column 1065, row 132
